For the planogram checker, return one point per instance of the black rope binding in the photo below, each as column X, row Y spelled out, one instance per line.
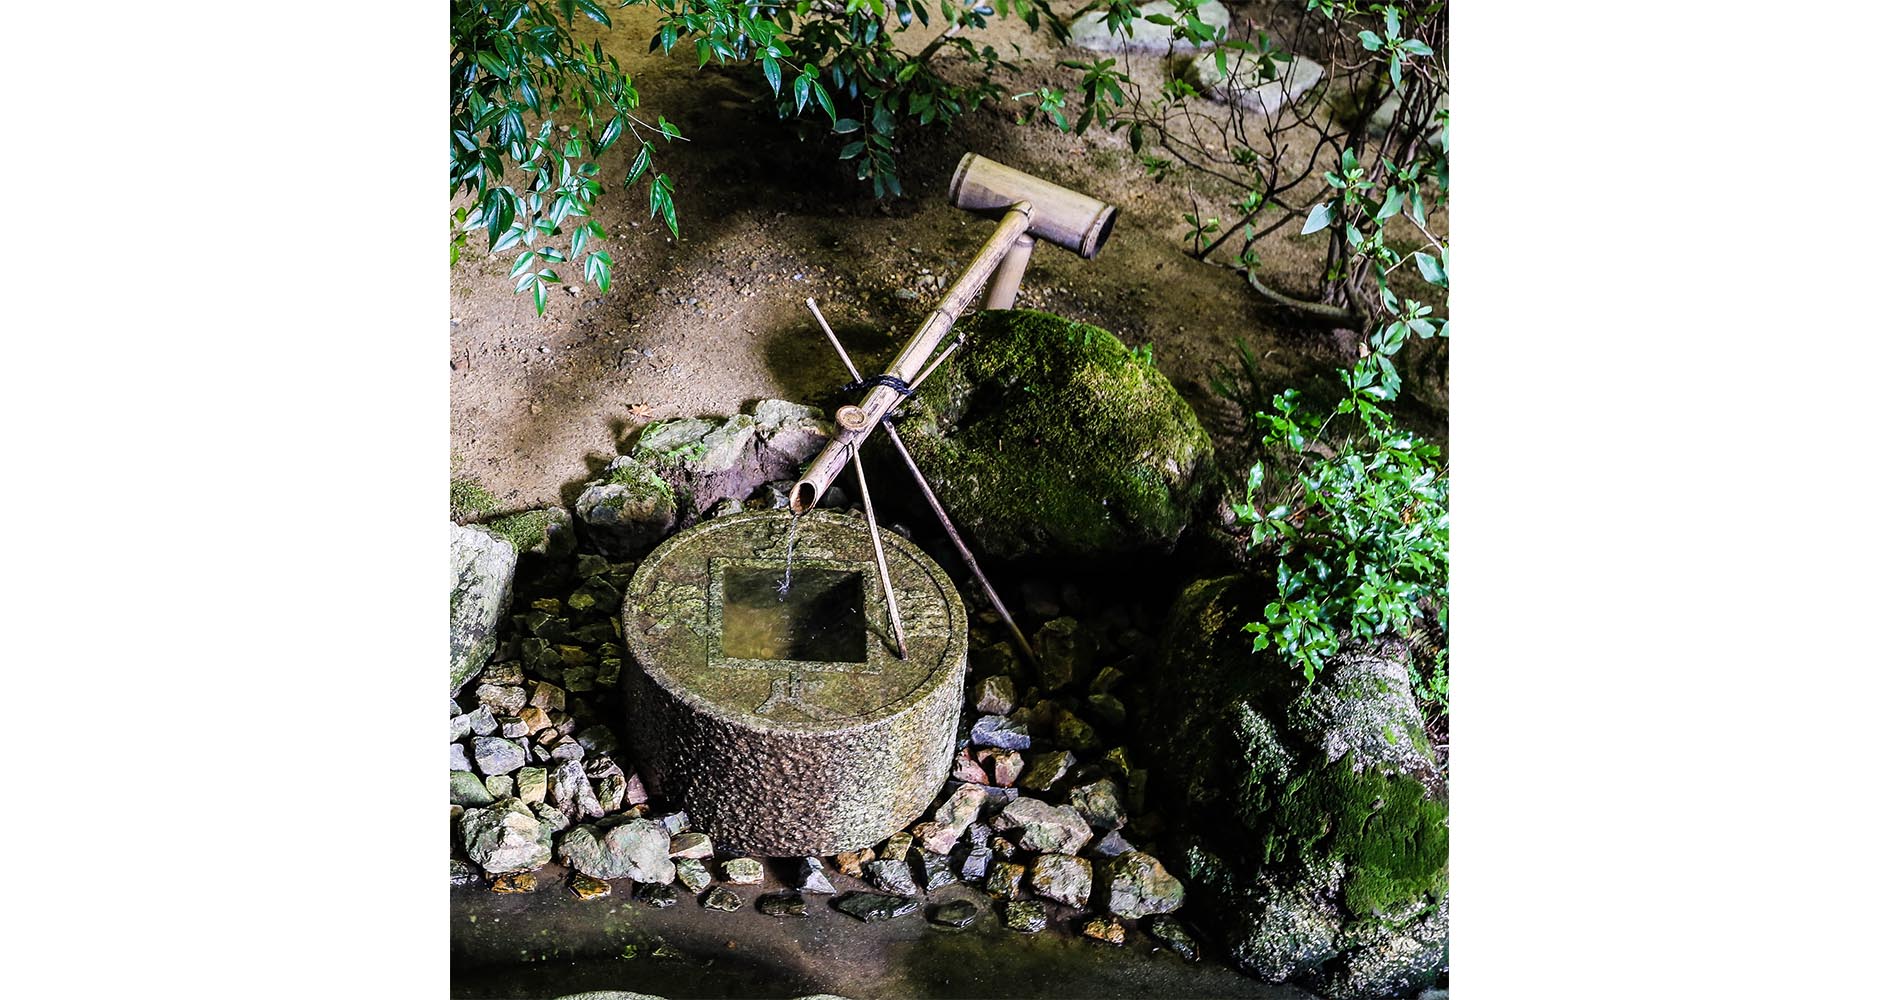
column 882, row 378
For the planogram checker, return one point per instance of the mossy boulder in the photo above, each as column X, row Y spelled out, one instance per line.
column 1317, row 821
column 481, row 575
column 1048, row 436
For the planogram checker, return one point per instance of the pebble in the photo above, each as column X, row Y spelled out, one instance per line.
column 995, row 695
column 512, row 727
column 513, row 882
column 852, row 862
column 957, row 913
column 675, row 822
column 890, row 875
column 458, row 758
column 898, row 847
column 874, row 906
column 462, row 873
column 808, row 875
column 500, row 786
column 531, row 784
column 458, row 728
column 1100, row 802
column 657, row 896
column 494, row 755
column 1171, row 933
column 1105, row 929
column 546, row 696
column 1048, row 829
column 692, row 874
column 1006, row 767
column 1111, row 844
column 1136, row 885
column 743, row 871
column 782, row 904
column 1045, row 769
column 722, row 899
column 1005, row 880
column 1063, row 878
column 1108, row 708
column 691, row 845
column 937, row 872
column 1025, row 915
column 481, row 722
column 587, row 886
column 976, row 864
column 962, row 766
column 1000, row 732
column 501, row 700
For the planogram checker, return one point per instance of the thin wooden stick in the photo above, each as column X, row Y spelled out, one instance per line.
column 877, row 549
column 930, row 497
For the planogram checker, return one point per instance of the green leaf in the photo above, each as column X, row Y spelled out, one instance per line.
column 1430, row 269
column 1371, row 41
column 1319, row 218
column 845, row 125
column 640, row 163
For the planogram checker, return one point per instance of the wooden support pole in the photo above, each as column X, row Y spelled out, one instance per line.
column 883, row 568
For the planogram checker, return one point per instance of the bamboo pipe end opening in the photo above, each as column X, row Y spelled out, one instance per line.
column 804, row 497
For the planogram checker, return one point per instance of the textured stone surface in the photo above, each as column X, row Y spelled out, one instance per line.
column 995, row 695
column 1025, row 915
column 657, row 896
column 1091, row 30
column 1064, row 878
column 1045, row 769
column 1100, row 802
column 956, row 913
column 722, row 899
column 588, row 887
column 1135, row 885
column 1001, row 732
column 1170, row 932
column 505, row 837
column 874, row 906
column 1048, row 829
column 782, row 904
column 629, row 510
column 743, row 871
column 632, row 848
column 1065, row 651
column 692, row 874
column 1006, row 880
column 1105, row 929
column 781, row 757
column 1254, row 85
column 494, row 755
column 890, row 875
column 808, row 875
column 481, row 574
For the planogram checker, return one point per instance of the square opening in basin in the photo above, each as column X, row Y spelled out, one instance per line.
column 821, row 620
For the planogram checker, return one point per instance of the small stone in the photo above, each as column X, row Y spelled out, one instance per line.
column 531, row 784
column 587, row 886
column 1062, row 877
column 1065, row 650
column 574, row 794
column 675, row 822
column 890, row 875
column 852, row 862
column 1111, row 844
column 500, row 786
column 501, row 700
column 1002, row 848
column 1045, row 769
column 481, row 722
column 1001, row 732
column 1105, row 929
column 657, row 896
column 1006, row 767
column 512, row 727
column 722, row 899
column 546, row 696
column 458, row 758
column 634, row 848
column 513, row 882
column 937, row 872
column 1171, row 933
column 501, row 674
column 935, row 837
column 898, row 847
column 598, row 739
column 1100, row 802
column 691, row 845
column 1072, row 731
column 782, row 904
column 506, row 836
column 1135, row 885
column 1048, row 829
column 808, row 875
column 962, row 768
column 566, row 748
column 956, row 913
column 462, row 873
column 976, row 864
column 1005, row 881
column 1025, row 915
column 636, row 792
column 995, row 695
column 494, row 755
column 458, row 728
column 743, row 871
column 1105, row 681
column 608, row 791
column 1109, row 709
column 533, row 720
column 551, row 816
column 871, row 907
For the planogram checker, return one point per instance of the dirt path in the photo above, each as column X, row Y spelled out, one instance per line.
column 702, row 325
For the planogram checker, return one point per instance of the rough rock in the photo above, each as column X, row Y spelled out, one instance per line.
column 692, row 874
column 1065, row 651
column 500, row 786
column 1006, row 767
column 1025, row 915
column 1050, row 437
column 505, row 837
column 956, row 913
column 890, row 875
column 1001, row 732
column 1170, row 932
column 1135, row 885
column 722, row 899
column 1317, row 812
column 1045, row 769
column 1105, row 929
column 874, row 906
column 458, row 759
column 494, row 755
column 633, row 848
column 513, row 882
column 462, row 873
column 574, row 794
column 852, row 862
column 481, row 575
column 808, row 875
column 1064, row 878
column 691, row 845
column 1100, row 802
column 937, row 872
column 587, row 886
column 629, row 510
column 531, row 784
column 743, row 871
column 1091, row 30
column 1110, row 845
column 965, row 768
column 1006, row 880
column 1259, row 86
column 657, row 896
column 782, row 904
column 993, row 695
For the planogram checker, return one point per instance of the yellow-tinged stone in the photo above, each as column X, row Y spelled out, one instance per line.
column 535, row 719
column 588, row 887
column 513, row 882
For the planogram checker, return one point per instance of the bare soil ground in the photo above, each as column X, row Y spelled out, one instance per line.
column 704, row 324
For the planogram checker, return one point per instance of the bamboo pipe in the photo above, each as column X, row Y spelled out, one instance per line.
column 878, row 402
column 1008, row 278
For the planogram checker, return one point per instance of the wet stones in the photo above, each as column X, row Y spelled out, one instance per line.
column 852, row 862
column 1135, row 885
column 871, row 907
column 890, row 875
column 692, row 874
column 634, row 848
column 657, row 896
column 783, row 904
column 1048, row 829
column 964, row 768
column 937, row 872
column 743, row 871
column 629, row 510
column 722, row 899
column 1100, row 803
column 1005, row 880
column 462, row 873
column 1000, row 732
column 808, row 875
column 995, row 695
column 690, row 845
column 1105, row 929
column 494, row 755
column 975, row 866
column 958, row 913
column 513, row 882
column 1063, row 878
column 505, row 837
column 1006, row 767
column 1025, row 915
column 587, row 886
column 1170, row 932
column 1045, row 769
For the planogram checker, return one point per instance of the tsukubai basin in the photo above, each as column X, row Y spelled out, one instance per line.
column 786, row 725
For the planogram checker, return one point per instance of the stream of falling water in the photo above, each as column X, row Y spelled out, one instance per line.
column 791, row 538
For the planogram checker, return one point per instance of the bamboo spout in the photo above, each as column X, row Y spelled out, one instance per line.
column 912, row 359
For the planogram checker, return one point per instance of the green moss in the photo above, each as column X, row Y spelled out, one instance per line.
column 469, row 500
column 643, row 484
column 1050, row 436
column 1389, row 831
column 524, row 531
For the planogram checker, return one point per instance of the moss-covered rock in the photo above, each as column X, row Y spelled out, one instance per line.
column 481, row 575
column 548, row 533
column 628, row 510
column 1317, row 818
column 1049, row 436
